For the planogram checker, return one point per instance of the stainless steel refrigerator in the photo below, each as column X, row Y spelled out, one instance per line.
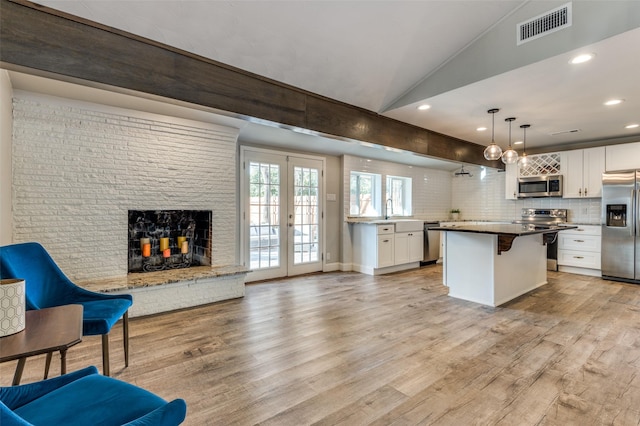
column 621, row 225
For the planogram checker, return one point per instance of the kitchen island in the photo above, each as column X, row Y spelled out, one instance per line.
column 492, row 264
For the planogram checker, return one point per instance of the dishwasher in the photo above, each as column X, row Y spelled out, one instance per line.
column 431, row 243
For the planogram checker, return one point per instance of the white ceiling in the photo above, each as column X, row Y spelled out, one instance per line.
column 378, row 54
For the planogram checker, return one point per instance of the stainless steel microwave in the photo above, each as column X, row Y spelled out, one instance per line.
column 540, row 186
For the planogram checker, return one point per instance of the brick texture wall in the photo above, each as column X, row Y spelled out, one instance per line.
column 77, row 170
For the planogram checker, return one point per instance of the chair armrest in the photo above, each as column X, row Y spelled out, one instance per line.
column 85, row 295
column 9, row 418
column 171, row 414
column 16, row 396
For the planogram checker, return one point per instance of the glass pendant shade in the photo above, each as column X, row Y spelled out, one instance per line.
column 510, row 156
column 493, row 151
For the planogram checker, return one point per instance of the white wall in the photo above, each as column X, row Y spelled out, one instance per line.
column 6, row 129
column 79, row 167
column 431, row 189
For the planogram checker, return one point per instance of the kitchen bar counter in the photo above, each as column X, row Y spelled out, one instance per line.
column 492, row 264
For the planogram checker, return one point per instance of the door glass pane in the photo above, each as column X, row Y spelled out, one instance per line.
column 264, row 213
column 306, row 215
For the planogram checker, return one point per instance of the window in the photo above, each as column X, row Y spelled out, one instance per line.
column 365, row 190
column 399, row 192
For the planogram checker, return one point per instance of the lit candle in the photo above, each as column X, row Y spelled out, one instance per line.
column 146, row 250
column 144, row 241
column 184, row 248
column 166, row 253
column 164, row 244
column 181, row 240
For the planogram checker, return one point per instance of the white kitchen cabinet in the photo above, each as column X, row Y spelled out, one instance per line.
column 582, row 169
column 623, row 157
column 511, row 182
column 373, row 246
column 579, row 250
column 409, row 247
column 385, row 248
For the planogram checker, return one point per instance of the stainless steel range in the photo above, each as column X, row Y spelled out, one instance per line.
column 546, row 217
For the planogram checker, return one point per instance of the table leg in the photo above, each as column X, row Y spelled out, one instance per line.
column 19, row 369
column 63, row 361
column 47, row 364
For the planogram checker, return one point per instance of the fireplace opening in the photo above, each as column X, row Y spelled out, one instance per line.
column 169, row 239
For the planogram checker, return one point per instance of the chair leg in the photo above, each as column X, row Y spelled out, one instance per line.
column 105, row 354
column 125, row 332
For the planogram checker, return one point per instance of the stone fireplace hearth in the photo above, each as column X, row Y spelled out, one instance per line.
column 168, row 239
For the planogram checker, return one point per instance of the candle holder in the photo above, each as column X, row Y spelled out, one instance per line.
column 152, row 263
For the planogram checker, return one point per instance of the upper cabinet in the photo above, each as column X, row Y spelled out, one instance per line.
column 623, row 157
column 582, row 170
column 511, row 182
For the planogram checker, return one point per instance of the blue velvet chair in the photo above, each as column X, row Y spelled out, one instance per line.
column 47, row 286
column 85, row 397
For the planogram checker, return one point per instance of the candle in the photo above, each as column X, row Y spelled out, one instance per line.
column 181, row 240
column 166, row 253
column 164, row 244
column 184, row 248
column 144, row 241
column 146, row 250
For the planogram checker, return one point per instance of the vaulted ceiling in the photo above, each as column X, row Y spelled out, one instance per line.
column 460, row 57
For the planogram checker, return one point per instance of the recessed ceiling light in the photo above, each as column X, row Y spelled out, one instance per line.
column 632, row 126
column 424, row 107
column 518, row 143
column 614, row 102
column 581, row 59
column 481, row 129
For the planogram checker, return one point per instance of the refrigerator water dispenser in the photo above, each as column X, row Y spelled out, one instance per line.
column 617, row 215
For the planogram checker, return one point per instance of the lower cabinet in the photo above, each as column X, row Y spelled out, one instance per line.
column 579, row 250
column 409, row 247
column 378, row 249
column 385, row 251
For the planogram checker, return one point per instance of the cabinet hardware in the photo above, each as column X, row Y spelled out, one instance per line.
column 578, row 257
column 579, row 241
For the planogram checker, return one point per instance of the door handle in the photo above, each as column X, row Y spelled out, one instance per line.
column 632, row 231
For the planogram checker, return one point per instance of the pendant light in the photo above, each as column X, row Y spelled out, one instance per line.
column 493, row 151
column 523, row 160
column 510, row 156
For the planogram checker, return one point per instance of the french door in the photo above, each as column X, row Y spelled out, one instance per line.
column 282, row 214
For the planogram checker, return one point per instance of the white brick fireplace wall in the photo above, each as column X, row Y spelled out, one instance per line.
column 78, row 168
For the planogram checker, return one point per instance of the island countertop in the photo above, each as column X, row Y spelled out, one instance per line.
column 512, row 229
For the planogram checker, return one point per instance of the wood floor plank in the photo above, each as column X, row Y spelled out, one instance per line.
column 351, row 349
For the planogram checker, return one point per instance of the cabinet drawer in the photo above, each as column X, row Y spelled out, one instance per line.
column 580, row 259
column 386, row 229
column 585, row 230
column 580, row 242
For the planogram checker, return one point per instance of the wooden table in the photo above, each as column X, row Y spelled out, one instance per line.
column 46, row 331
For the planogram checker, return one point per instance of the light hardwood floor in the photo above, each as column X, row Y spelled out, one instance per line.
column 353, row 349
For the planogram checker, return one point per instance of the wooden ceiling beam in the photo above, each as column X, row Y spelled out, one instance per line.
column 46, row 40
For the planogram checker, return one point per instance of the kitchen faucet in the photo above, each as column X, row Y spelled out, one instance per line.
column 386, row 207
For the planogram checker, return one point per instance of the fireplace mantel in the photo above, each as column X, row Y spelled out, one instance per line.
column 162, row 291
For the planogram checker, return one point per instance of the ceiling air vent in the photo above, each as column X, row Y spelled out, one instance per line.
column 564, row 132
column 544, row 24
